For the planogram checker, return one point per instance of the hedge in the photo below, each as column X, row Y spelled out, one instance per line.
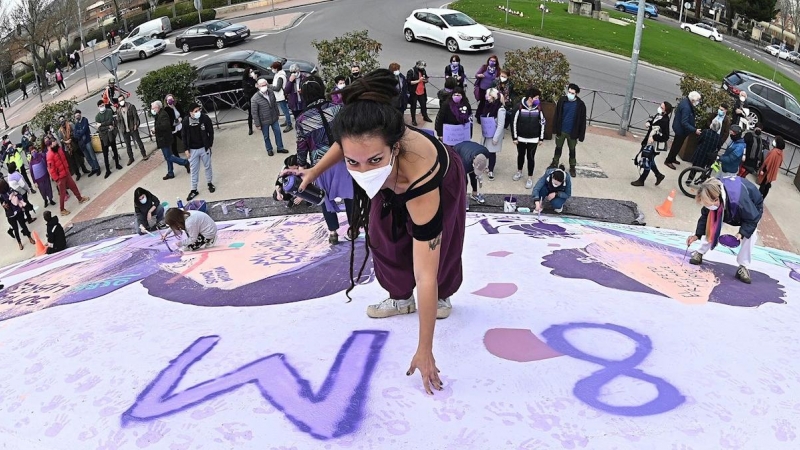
column 190, row 19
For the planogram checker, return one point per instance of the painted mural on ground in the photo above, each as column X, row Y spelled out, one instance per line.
column 565, row 334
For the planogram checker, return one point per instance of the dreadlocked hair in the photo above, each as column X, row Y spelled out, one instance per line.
column 367, row 112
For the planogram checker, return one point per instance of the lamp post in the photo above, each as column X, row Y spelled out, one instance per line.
column 80, row 27
column 637, row 43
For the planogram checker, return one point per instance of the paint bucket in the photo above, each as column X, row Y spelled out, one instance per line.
column 165, row 205
column 510, row 204
column 224, row 208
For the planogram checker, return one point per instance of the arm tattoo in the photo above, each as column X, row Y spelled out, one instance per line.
column 432, row 244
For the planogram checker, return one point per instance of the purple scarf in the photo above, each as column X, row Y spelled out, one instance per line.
column 454, row 69
column 455, row 108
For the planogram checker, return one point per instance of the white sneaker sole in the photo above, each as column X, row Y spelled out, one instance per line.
column 443, row 313
column 378, row 313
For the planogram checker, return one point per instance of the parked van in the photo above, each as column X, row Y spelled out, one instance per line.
column 155, row 28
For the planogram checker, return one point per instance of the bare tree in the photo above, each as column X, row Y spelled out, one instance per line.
column 792, row 10
column 784, row 15
column 31, row 25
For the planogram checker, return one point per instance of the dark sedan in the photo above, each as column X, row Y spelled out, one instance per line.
column 224, row 73
column 216, row 33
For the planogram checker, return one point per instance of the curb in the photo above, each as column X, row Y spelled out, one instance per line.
column 247, row 14
column 588, row 49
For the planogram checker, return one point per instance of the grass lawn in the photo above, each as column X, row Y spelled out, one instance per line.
column 662, row 45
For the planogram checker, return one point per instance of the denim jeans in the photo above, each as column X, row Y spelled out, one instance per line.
column 89, row 154
column 158, row 214
column 276, row 130
column 170, row 158
column 284, row 106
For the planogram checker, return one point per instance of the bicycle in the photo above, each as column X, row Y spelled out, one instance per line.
column 691, row 178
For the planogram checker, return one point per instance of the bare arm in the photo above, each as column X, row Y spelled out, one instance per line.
column 333, row 156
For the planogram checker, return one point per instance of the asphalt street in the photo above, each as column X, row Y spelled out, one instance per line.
column 384, row 20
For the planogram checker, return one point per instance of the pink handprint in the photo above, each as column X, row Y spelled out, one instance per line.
column 115, row 441
column 85, row 435
column 54, row 403
column 56, row 427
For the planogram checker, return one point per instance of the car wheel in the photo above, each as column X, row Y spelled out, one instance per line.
column 687, row 29
column 753, row 120
column 647, row 15
column 185, row 47
column 142, row 55
column 220, row 43
column 409, row 35
column 621, row 8
column 452, row 45
column 712, row 38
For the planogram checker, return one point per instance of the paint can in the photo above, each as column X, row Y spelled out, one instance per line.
column 312, row 193
column 224, row 208
column 510, row 204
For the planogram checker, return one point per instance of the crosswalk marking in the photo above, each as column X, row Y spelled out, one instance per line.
column 200, row 57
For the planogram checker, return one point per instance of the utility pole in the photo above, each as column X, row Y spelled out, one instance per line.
column 637, row 43
column 83, row 45
column 40, row 81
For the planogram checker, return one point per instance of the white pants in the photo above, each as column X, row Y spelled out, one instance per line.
column 744, row 257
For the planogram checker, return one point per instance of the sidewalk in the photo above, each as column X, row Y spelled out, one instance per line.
column 235, row 11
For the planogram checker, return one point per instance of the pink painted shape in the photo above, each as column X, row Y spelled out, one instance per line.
column 515, row 344
column 497, row 290
column 500, row 254
column 554, row 245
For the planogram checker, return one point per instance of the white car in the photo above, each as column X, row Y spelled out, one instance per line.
column 703, row 29
column 775, row 50
column 453, row 29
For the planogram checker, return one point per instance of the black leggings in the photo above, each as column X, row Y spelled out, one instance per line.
column 492, row 161
column 332, row 218
column 526, row 149
column 423, row 105
column 764, row 189
column 18, row 222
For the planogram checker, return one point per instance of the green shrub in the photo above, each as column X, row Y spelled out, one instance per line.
column 48, row 115
column 190, row 19
column 336, row 56
column 176, row 79
column 712, row 97
column 539, row 67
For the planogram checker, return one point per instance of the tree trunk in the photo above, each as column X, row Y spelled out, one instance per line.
column 698, row 9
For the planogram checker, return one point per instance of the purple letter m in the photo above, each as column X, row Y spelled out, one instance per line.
column 335, row 410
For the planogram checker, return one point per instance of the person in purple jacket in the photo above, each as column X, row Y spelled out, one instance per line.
column 484, row 80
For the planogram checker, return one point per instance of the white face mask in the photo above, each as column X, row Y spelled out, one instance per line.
column 774, row 144
column 122, row 103
column 153, row 112
column 102, row 109
column 396, row 73
column 660, row 110
column 743, row 98
column 503, row 79
column 196, row 115
column 712, row 207
column 143, row 200
column 570, row 96
column 372, row 180
column 263, row 89
column 341, row 85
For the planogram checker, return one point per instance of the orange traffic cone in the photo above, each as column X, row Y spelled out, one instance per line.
column 40, row 247
column 665, row 209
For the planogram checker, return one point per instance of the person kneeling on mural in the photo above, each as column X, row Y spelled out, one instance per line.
column 731, row 200
column 290, row 163
column 199, row 227
column 475, row 158
column 555, row 187
column 410, row 200
column 146, row 206
column 56, row 239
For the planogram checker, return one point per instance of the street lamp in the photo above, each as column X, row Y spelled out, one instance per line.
column 637, row 43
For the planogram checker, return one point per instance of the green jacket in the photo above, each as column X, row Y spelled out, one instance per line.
column 106, row 121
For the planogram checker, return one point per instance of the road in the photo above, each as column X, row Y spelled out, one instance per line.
column 384, row 21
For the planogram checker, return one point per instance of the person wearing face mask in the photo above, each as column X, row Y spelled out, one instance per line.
column 128, row 122
column 355, row 74
column 17, row 183
column 555, row 187
column 105, row 127
column 453, row 115
column 198, row 135
column 147, row 206
column 739, row 112
column 162, row 129
column 417, row 79
column 657, row 133
column 683, row 124
column 314, row 139
column 485, row 79
column 249, row 89
column 16, row 154
column 14, row 208
column 493, row 127
column 265, row 115
column 708, row 145
column 505, row 87
column 82, row 135
column 339, row 84
column 38, row 163
column 768, row 171
column 294, row 91
column 279, row 81
column 733, row 201
column 70, row 146
column 569, row 125
column 176, row 113
column 456, row 70
column 401, row 101
column 58, row 168
column 755, row 147
column 410, row 200
column 732, row 158
column 527, row 129
column 56, row 238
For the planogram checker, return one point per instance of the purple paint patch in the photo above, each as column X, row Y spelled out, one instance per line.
column 497, row 290
column 571, row 263
column 729, row 240
column 337, row 409
column 516, row 344
column 500, row 254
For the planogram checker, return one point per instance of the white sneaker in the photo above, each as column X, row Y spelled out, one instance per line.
column 443, row 308
column 491, row 176
column 529, row 184
column 559, row 210
column 517, row 176
column 391, row 307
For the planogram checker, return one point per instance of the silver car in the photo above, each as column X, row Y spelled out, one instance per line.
column 140, row 48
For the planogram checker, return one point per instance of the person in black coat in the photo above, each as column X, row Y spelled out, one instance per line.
column 249, row 79
column 455, row 111
column 56, row 239
column 147, row 206
column 417, row 79
column 683, row 125
column 401, row 101
column 657, row 133
column 569, row 125
column 456, row 70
